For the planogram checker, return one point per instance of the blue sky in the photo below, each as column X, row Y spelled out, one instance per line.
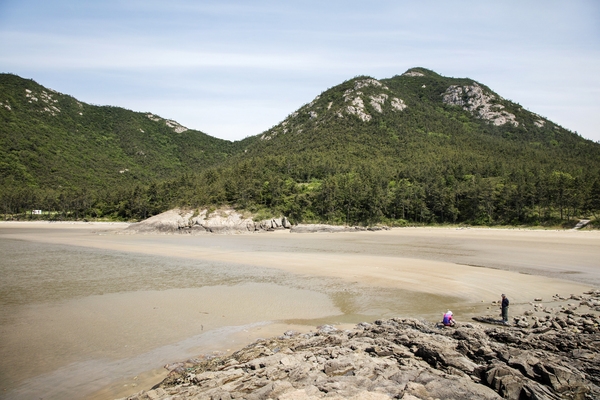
column 235, row 68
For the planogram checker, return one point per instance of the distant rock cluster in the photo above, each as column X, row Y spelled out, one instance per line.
column 479, row 103
column 229, row 221
column 314, row 228
column 176, row 126
column 354, row 97
column 355, row 102
column 204, row 221
column 403, row 358
column 413, row 73
column 46, row 98
column 6, row 105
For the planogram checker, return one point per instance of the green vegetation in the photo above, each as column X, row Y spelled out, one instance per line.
column 60, row 154
column 431, row 162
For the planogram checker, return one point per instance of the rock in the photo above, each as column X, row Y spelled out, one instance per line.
column 285, row 223
column 338, row 367
column 156, row 394
column 326, row 329
column 562, row 379
column 400, row 358
column 202, row 221
column 522, row 324
column 477, row 101
column 314, row 228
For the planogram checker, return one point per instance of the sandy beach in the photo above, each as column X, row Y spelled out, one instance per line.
column 97, row 313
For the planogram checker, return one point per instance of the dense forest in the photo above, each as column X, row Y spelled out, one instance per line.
column 418, row 148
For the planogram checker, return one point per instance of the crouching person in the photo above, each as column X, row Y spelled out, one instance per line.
column 448, row 319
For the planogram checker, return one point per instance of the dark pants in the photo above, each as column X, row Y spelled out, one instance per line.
column 505, row 314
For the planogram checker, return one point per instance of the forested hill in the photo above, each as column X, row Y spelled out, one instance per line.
column 419, row 115
column 415, row 147
column 49, row 140
column 418, row 147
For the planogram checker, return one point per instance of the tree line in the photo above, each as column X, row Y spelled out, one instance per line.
column 368, row 193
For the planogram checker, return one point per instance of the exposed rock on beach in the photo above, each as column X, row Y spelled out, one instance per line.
column 205, row 221
column 228, row 221
column 314, row 228
column 557, row 357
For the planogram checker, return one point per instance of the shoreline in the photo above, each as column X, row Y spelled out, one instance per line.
column 112, row 240
column 545, row 350
column 459, row 264
column 433, row 226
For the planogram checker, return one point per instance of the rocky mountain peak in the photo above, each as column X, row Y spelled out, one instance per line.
column 361, row 98
column 418, row 72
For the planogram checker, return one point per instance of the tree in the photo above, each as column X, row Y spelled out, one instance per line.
column 561, row 187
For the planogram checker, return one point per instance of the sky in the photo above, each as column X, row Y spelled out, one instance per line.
column 233, row 69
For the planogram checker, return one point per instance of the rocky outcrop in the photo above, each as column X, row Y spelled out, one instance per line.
column 354, row 96
column 46, row 98
column 479, row 103
column 581, row 224
column 203, row 221
column 413, row 73
column 401, row 358
column 176, row 126
column 228, row 221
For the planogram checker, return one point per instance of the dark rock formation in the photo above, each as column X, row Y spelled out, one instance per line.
column 403, row 359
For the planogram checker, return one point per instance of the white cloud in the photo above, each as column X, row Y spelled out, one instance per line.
column 66, row 53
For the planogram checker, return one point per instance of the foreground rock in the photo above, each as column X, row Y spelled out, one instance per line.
column 203, row 221
column 402, row 359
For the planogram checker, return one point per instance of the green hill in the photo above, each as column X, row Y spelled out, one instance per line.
column 418, row 147
column 54, row 148
column 408, row 116
column 48, row 139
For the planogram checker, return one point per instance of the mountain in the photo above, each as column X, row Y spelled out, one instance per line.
column 421, row 108
column 51, row 140
column 417, row 147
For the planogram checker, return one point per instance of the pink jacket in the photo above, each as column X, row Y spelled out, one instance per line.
column 447, row 319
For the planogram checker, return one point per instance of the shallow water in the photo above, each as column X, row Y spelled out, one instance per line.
column 74, row 319
column 87, row 314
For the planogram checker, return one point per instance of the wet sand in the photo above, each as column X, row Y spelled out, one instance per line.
column 100, row 321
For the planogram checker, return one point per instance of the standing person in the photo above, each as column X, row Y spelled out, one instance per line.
column 505, row 303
